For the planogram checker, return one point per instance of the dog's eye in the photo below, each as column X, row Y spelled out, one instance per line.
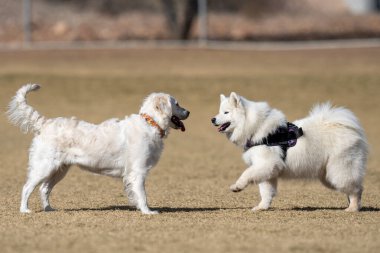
column 226, row 112
column 177, row 104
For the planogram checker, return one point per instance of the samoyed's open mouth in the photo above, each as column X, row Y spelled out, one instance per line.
column 178, row 123
column 223, row 127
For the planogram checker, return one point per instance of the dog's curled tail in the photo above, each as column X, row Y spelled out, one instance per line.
column 23, row 115
column 337, row 115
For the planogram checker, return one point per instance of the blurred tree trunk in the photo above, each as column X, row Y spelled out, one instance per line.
column 171, row 17
column 180, row 31
column 190, row 12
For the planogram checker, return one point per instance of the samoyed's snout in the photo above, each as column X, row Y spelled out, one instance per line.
column 221, row 124
column 217, row 120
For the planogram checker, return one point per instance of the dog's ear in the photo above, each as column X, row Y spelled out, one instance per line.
column 162, row 104
column 235, row 100
column 222, row 97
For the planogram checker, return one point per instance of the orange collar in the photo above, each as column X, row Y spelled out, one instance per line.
column 153, row 123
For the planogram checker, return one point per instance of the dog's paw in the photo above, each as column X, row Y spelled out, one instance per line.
column 49, row 209
column 25, row 211
column 150, row 212
column 260, row 208
column 352, row 209
column 235, row 188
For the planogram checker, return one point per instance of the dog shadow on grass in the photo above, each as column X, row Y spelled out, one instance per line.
column 160, row 209
column 315, row 208
column 215, row 209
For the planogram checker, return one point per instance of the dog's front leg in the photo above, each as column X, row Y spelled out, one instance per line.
column 254, row 174
column 136, row 187
column 242, row 182
column 268, row 190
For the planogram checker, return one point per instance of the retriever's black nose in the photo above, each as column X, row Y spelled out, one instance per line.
column 213, row 120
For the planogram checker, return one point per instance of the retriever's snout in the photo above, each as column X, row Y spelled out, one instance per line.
column 213, row 120
column 187, row 114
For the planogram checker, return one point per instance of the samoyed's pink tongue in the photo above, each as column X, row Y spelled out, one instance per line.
column 224, row 127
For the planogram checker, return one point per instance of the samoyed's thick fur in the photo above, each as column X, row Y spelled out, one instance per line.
column 126, row 148
column 333, row 148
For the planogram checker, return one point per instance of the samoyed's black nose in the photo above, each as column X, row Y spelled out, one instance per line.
column 213, row 120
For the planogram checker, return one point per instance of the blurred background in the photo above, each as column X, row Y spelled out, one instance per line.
column 182, row 20
column 126, row 52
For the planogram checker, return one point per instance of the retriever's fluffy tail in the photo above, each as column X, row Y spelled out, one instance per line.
column 337, row 115
column 23, row 115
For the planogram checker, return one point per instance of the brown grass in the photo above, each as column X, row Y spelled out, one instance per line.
column 190, row 184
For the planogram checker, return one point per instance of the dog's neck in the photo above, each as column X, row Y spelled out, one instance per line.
column 154, row 123
column 270, row 123
column 260, row 121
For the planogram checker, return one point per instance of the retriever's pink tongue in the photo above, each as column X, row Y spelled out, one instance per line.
column 183, row 127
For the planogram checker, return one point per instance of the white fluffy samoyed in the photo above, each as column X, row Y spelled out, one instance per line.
column 329, row 145
column 127, row 148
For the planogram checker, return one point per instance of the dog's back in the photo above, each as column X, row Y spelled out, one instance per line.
column 335, row 127
column 333, row 143
column 336, row 117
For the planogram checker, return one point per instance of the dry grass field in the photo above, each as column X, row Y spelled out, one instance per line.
column 190, row 184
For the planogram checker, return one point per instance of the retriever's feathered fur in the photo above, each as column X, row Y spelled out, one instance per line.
column 127, row 148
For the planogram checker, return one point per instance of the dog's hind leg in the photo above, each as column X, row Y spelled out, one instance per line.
column 28, row 188
column 48, row 184
column 345, row 173
column 268, row 190
column 354, row 201
column 35, row 177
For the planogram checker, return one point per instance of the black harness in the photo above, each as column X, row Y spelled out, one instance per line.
column 284, row 136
